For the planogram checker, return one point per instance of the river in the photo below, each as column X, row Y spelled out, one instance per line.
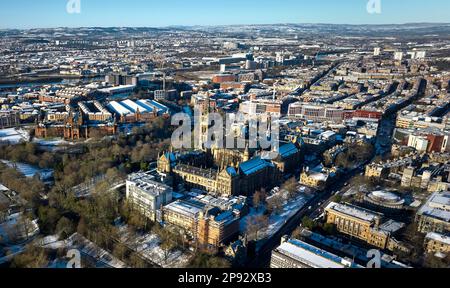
column 51, row 82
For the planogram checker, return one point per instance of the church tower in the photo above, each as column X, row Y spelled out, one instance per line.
column 204, row 124
column 246, row 154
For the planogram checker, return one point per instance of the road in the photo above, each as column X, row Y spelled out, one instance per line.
column 300, row 91
column 263, row 256
column 262, row 259
column 318, row 203
column 385, row 134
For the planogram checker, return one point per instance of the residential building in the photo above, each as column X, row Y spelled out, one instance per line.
column 437, row 243
column 434, row 215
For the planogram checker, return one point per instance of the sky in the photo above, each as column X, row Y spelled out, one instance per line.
column 26, row 14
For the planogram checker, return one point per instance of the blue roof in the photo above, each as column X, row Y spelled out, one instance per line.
column 127, row 107
column 319, row 252
column 227, row 215
column 160, row 106
column 145, row 105
column 171, row 157
column 253, row 165
column 187, row 110
column 288, row 150
column 231, row 171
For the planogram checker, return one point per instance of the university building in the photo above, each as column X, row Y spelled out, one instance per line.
column 89, row 119
column 73, row 126
column 364, row 225
column 147, row 195
column 298, row 254
column 249, row 177
column 233, row 172
column 211, row 221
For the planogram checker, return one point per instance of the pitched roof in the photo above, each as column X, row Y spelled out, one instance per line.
column 288, row 150
column 254, row 165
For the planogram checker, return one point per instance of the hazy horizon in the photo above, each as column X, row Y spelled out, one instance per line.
column 31, row 14
column 229, row 25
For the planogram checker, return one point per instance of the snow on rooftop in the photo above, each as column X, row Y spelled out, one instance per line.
column 146, row 105
column 159, row 105
column 437, row 206
column 439, row 238
column 392, row 226
column 132, row 106
column 184, row 208
column 354, row 211
column 312, row 256
column 319, row 176
column 118, row 108
column 386, row 195
column 117, row 88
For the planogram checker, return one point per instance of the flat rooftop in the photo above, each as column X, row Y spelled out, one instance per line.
column 437, row 206
column 148, row 184
column 439, row 238
column 354, row 211
column 313, row 256
column 186, row 208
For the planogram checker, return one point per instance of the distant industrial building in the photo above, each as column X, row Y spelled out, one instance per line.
column 128, row 111
column 316, row 112
column 166, row 94
column 9, row 119
column 119, row 80
column 261, row 107
column 121, row 91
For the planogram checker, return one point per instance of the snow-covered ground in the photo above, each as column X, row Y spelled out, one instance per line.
column 277, row 220
column 17, row 227
column 14, row 135
column 86, row 247
column 52, row 242
column 354, row 190
column 12, row 229
column 148, row 246
column 29, row 170
column 51, row 142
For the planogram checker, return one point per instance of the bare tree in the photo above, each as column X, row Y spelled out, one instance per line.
column 275, row 204
column 255, row 224
column 291, row 187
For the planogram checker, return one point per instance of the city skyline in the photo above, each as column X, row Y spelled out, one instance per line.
column 21, row 14
column 256, row 136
